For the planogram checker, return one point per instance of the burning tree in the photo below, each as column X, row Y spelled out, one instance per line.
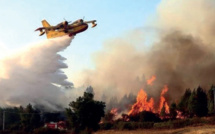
column 145, row 104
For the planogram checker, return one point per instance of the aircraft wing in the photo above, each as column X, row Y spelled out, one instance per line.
column 47, row 28
column 92, row 21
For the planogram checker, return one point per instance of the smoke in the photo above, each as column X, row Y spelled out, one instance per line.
column 34, row 75
column 182, row 55
column 195, row 17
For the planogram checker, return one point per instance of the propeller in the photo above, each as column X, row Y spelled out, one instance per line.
column 67, row 21
column 65, row 24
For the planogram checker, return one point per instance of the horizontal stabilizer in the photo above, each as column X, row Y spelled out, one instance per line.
column 41, row 33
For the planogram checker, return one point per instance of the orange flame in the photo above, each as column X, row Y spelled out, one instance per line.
column 142, row 104
column 179, row 115
column 163, row 100
column 151, row 80
column 114, row 111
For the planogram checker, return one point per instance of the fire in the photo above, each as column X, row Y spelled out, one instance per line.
column 142, row 104
column 179, row 115
column 151, row 80
column 114, row 111
column 163, row 100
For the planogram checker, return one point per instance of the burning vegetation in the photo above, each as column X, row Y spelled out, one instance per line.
column 192, row 108
column 144, row 103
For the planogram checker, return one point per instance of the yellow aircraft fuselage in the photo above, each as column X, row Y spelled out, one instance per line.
column 72, row 32
column 62, row 29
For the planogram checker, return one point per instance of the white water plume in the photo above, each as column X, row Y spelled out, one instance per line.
column 34, row 75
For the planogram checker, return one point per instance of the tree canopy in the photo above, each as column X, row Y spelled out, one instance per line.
column 85, row 113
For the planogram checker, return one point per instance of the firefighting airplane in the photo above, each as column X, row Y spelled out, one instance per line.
column 64, row 28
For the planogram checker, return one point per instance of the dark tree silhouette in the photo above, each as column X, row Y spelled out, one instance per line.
column 183, row 104
column 85, row 113
column 145, row 116
column 202, row 109
column 163, row 113
column 172, row 111
column 211, row 100
column 30, row 118
column 198, row 103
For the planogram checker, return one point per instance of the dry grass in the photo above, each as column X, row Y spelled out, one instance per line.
column 207, row 129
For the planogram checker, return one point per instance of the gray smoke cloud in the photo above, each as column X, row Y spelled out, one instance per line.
column 182, row 55
column 34, row 75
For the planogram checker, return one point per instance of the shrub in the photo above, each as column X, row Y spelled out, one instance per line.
column 145, row 125
column 180, row 123
column 145, row 116
column 12, row 132
column 124, row 125
column 48, row 131
column 162, row 125
column 197, row 120
column 106, row 126
column 212, row 120
column 133, row 125
column 85, row 132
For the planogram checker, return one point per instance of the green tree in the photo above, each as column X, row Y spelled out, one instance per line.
column 52, row 117
column 183, row 104
column 202, row 109
column 198, row 103
column 85, row 113
column 211, row 100
column 172, row 110
column 192, row 103
column 30, row 118
column 12, row 118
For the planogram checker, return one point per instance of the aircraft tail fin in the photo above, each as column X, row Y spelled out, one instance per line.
column 45, row 23
column 52, row 33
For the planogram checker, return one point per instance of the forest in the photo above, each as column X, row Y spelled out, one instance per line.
column 86, row 115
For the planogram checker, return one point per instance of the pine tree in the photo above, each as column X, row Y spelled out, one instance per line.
column 85, row 113
column 30, row 118
column 198, row 103
column 211, row 100
column 172, row 110
column 202, row 109
column 192, row 103
column 183, row 104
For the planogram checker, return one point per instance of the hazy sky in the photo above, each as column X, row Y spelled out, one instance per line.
column 19, row 19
